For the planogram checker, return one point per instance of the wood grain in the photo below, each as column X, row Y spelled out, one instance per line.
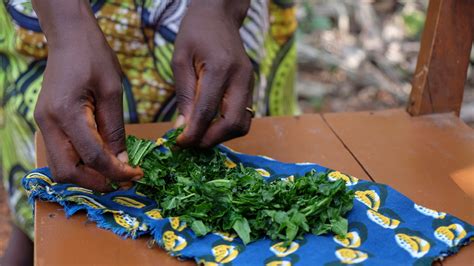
column 438, row 82
column 416, row 156
column 74, row 241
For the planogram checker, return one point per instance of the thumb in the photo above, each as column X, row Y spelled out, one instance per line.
column 110, row 124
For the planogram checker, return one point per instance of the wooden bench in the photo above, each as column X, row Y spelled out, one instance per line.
column 417, row 155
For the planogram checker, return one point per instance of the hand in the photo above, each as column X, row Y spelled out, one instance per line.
column 213, row 74
column 79, row 109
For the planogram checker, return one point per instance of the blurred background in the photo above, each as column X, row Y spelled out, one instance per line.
column 353, row 56
column 360, row 55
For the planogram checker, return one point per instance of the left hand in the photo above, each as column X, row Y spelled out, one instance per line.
column 213, row 74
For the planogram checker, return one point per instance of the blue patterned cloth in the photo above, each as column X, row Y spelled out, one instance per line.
column 385, row 227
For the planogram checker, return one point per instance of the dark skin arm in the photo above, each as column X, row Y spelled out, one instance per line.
column 79, row 110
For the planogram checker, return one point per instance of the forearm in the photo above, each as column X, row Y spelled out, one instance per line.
column 64, row 22
column 233, row 9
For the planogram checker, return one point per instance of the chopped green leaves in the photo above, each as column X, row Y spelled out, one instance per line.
column 242, row 228
column 199, row 228
column 197, row 186
column 339, row 226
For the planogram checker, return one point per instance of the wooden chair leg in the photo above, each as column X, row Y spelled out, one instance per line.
column 441, row 70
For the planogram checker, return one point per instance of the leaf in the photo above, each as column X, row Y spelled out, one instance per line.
column 299, row 219
column 280, row 217
column 291, row 231
column 242, row 228
column 170, row 204
column 199, row 228
column 321, row 229
column 223, row 183
column 339, row 226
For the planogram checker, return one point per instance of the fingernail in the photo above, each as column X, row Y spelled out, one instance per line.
column 136, row 178
column 126, row 185
column 123, row 157
column 179, row 121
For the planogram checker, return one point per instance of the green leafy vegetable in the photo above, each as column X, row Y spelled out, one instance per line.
column 211, row 194
column 199, row 227
column 241, row 226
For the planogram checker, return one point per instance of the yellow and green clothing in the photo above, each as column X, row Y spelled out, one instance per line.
column 142, row 34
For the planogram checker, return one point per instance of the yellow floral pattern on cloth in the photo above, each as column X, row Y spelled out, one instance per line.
column 42, row 177
column 283, row 253
column 416, row 246
column 281, row 250
column 225, row 253
column 129, row 202
column 160, row 141
column 173, row 242
column 263, row 172
column 80, row 189
column 154, row 214
column 130, row 223
column 85, row 200
column 430, row 212
column 351, row 240
column 336, row 175
column 382, row 220
column 451, row 234
column 290, row 178
column 177, row 224
column 348, row 252
column 369, row 197
column 126, row 221
column 351, row 256
column 229, row 163
column 226, row 236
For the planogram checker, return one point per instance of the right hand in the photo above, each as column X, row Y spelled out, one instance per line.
column 79, row 110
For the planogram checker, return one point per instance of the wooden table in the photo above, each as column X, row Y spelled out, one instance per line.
column 415, row 155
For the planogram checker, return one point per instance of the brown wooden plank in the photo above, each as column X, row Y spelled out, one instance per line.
column 60, row 241
column 464, row 258
column 415, row 155
column 438, row 82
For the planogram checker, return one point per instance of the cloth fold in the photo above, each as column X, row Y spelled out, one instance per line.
column 385, row 227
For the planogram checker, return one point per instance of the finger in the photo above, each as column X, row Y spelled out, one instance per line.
column 125, row 185
column 208, row 97
column 185, row 84
column 235, row 120
column 65, row 163
column 81, row 130
column 109, row 118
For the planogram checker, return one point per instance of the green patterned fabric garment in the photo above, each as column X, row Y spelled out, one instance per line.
column 142, row 34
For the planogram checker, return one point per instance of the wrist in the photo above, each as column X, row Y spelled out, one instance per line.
column 236, row 10
column 66, row 22
column 74, row 34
